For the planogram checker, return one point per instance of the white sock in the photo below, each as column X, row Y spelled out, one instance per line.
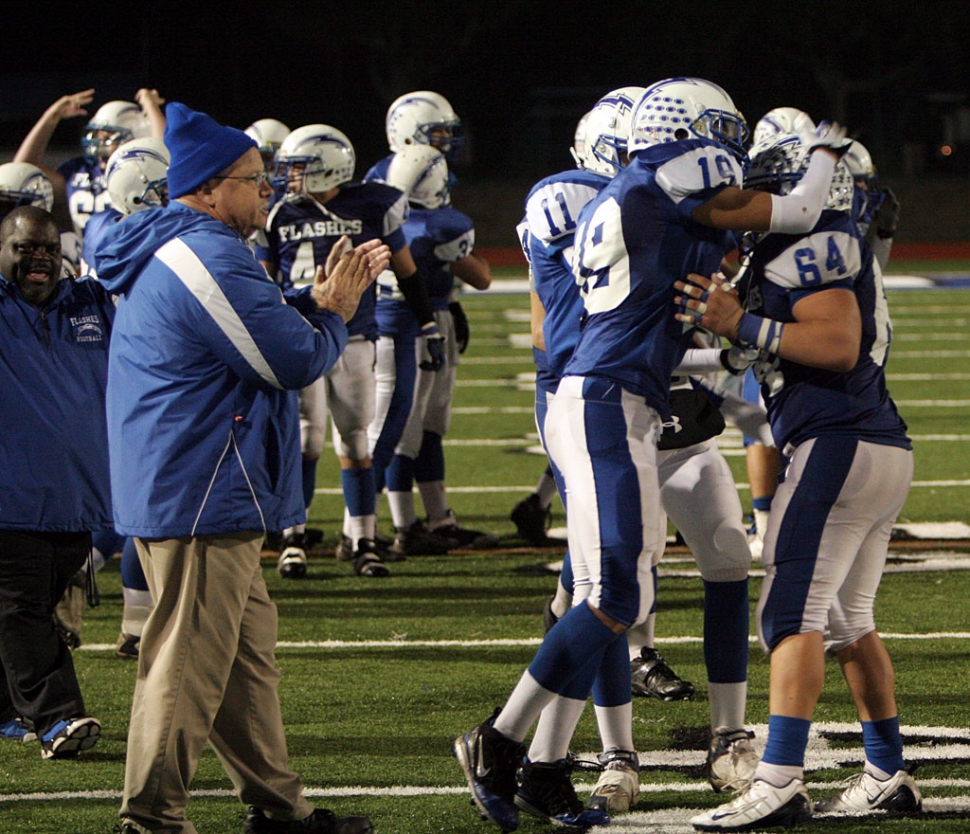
column 562, row 601
column 434, row 499
column 546, row 490
column 97, row 559
column 402, row 508
column 555, row 729
column 642, row 635
column 523, row 707
column 876, row 772
column 778, row 775
column 727, row 704
column 616, row 726
column 137, row 606
column 362, row 527
column 761, row 523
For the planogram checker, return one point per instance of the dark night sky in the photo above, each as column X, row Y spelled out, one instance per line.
column 518, row 73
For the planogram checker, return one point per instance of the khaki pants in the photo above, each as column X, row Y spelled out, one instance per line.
column 207, row 672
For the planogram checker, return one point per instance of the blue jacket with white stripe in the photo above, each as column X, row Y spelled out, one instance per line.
column 205, row 361
column 53, row 443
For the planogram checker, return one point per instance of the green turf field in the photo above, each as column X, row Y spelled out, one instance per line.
column 380, row 675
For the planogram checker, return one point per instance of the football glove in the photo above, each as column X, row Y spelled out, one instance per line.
column 462, row 331
column 828, row 135
column 887, row 215
column 433, row 354
column 738, row 358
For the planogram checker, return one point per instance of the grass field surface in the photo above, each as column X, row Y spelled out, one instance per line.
column 380, row 675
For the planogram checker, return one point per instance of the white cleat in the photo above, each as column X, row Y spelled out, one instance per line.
column 762, row 805
column 731, row 760
column 618, row 787
column 896, row 795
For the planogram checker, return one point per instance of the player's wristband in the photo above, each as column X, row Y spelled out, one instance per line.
column 765, row 333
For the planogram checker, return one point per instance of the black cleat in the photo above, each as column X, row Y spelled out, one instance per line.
column 653, row 678
column 531, row 520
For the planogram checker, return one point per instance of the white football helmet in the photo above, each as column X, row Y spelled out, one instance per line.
column 23, row 184
column 681, row 108
column 608, row 131
column 860, row 163
column 578, row 149
column 423, row 118
column 781, row 120
column 112, row 125
column 780, row 161
column 319, row 156
column 137, row 175
column 268, row 134
column 421, row 172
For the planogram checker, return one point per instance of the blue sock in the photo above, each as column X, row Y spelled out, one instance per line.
column 883, row 744
column 360, row 494
column 762, row 502
column 787, row 740
column 132, row 575
column 399, row 475
column 309, row 480
column 570, row 654
column 726, row 624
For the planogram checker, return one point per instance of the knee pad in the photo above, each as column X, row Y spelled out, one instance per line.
column 727, row 558
column 311, row 439
column 355, row 446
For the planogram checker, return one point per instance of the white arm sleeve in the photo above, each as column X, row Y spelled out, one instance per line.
column 699, row 361
column 799, row 211
column 748, row 417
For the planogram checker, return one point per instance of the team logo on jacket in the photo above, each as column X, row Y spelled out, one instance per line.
column 87, row 329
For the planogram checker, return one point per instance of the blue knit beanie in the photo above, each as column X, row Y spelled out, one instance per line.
column 200, row 148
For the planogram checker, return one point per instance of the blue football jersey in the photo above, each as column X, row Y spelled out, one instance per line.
column 552, row 210
column 300, row 232
column 87, row 190
column 806, row 402
column 378, row 173
column 633, row 241
column 437, row 238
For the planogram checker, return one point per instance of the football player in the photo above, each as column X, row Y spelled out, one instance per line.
column 547, row 234
column 665, row 213
column 698, row 494
column 814, row 305
column 413, row 403
column 763, row 461
column 269, row 135
column 79, row 183
column 136, row 178
column 422, row 117
column 875, row 208
column 318, row 204
column 532, row 516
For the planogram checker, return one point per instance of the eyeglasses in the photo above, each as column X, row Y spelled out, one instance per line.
column 259, row 180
